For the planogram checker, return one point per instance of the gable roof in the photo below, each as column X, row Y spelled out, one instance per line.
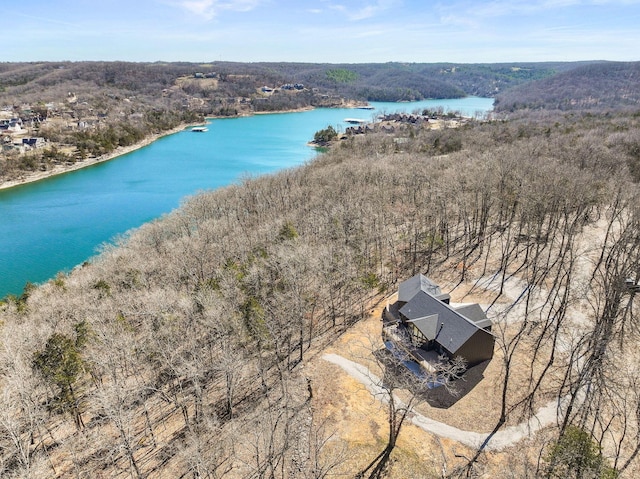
column 452, row 329
column 412, row 286
column 475, row 313
column 428, row 325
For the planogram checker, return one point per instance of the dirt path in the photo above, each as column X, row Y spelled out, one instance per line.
column 504, row 438
column 513, row 289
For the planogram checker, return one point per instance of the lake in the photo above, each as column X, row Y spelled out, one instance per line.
column 57, row 223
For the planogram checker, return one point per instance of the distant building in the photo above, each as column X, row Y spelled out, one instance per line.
column 15, row 146
column 35, row 142
column 15, row 125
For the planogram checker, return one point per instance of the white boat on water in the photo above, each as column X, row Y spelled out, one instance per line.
column 199, row 129
column 355, row 121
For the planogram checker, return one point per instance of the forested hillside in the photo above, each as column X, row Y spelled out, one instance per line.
column 596, row 87
column 45, row 82
column 187, row 349
column 87, row 110
column 408, row 81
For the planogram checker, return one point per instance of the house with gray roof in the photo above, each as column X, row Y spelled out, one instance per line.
column 409, row 288
column 423, row 314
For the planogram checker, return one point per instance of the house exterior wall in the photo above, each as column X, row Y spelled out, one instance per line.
column 477, row 349
column 417, row 338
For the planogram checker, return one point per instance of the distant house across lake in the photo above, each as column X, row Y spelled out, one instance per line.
column 36, row 142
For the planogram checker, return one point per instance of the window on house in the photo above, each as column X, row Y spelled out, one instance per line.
column 417, row 338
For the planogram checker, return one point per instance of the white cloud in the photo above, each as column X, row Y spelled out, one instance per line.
column 366, row 9
column 499, row 8
column 477, row 16
column 338, row 8
column 208, row 9
column 47, row 20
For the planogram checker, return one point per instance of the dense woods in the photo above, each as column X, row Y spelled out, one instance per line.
column 88, row 109
column 180, row 351
column 32, row 82
column 186, row 349
column 596, row 87
column 395, row 81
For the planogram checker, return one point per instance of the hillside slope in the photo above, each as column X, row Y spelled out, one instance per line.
column 597, row 87
column 87, row 110
column 183, row 350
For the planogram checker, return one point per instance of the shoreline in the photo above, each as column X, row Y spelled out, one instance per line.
column 62, row 169
column 123, row 150
column 277, row 112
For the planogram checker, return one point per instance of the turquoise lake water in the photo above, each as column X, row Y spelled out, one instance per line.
column 55, row 224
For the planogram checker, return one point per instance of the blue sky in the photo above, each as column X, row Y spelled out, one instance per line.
column 336, row 31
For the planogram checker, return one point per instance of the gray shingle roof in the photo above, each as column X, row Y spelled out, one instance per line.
column 427, row 325
column 412, row 286
column 453, row 330
column 474, row 313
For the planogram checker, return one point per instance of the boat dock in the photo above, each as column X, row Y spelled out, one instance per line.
column 356, row 121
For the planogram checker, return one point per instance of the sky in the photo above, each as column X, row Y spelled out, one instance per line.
column 331, row 31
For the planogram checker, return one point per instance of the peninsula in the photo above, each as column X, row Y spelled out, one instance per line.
column 241, row 335
column 59, row 116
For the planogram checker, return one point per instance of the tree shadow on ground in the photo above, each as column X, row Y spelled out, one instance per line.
column 403, row 373
column 444, row 398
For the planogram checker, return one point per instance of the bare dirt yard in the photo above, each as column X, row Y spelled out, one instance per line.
column 359, row 416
